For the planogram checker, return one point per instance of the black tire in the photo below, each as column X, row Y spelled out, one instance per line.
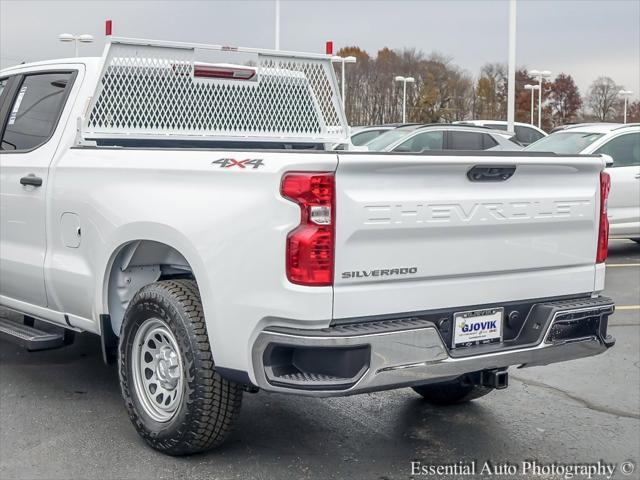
column 209, row 405
column 451, row 393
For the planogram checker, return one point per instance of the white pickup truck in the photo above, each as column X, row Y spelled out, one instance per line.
column 188, row 213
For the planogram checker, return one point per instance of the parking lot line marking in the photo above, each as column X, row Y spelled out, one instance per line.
column 623, row 264
column 628, row 307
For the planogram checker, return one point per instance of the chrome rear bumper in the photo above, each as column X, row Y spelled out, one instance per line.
column 411, row 351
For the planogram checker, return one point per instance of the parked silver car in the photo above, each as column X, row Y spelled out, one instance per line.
column 421, row 138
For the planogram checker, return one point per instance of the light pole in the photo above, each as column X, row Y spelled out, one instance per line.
column 343, row 60
column 511, row 84
column 541, row 75
column 404, row 81
column 532, row 88
column 68, row 37
column 625, row 94
column 277, row 25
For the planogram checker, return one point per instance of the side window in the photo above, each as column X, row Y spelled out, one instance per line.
column 625, row 150
column 488, row 141
column 35, row 111
column 465, row 141
column 526, row 135
column 422, row 141
column 3, row 83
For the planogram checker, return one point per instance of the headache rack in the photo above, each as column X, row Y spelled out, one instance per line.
column 150, row 89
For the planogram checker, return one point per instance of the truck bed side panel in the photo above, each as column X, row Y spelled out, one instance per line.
column 230, row 223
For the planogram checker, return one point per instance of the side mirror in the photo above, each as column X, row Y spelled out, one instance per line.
column 608, row 160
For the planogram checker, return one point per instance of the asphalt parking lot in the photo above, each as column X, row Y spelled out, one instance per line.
column 61, row 416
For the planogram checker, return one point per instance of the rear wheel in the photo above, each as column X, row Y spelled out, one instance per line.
column 451, row 393
column 175, row 398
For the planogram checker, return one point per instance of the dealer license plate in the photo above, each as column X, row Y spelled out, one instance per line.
column 477, row 327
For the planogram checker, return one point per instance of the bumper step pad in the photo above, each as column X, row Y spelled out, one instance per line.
column 28, row 337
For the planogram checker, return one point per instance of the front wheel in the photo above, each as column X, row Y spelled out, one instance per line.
column 175, row 398
column 451, row 393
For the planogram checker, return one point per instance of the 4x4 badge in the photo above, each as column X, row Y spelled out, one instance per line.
column 231, row 162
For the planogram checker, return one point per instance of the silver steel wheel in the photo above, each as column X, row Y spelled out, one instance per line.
column 158, row 376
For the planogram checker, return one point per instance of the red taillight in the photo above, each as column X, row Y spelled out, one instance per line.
column 310, row 246
column 603, row 231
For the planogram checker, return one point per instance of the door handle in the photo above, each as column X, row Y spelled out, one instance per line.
column 638, row 175
column 31, row 180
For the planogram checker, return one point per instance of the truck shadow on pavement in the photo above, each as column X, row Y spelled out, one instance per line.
column 272, row 422
column 79, row 367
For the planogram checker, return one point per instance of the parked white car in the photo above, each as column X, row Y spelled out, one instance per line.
column 622, row 143
column 191, row 216
column 436, row 137
column 526, row 133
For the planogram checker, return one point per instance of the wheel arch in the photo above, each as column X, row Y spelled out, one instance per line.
column 135, row 264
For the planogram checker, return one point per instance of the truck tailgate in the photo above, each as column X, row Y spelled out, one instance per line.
column 414, row 233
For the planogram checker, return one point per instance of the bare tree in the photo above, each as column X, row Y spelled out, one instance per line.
column 443, row 92
column 523, row 96
column 602, row 98
column 491, row 92
column 633, row 112
column 462, row 101
column 564, row 99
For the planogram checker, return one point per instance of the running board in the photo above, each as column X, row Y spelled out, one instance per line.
column 32, row 338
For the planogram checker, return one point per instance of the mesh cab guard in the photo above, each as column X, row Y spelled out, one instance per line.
column 156, row 89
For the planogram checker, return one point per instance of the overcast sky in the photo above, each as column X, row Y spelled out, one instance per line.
column 585, row 38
